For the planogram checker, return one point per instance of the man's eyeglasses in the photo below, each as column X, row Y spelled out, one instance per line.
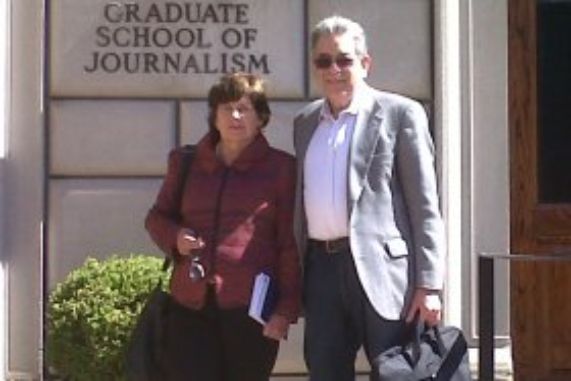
column 325, row 61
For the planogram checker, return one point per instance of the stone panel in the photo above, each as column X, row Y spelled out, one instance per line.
column 97, row 218
column 399, row 37
column 279, row 131
column 110, row 137
column 290, row 355
column 193, row 121
column 150, row 48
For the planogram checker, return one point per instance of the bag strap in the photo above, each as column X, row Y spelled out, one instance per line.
column 453, row 358
column 187, row 154
column 416, row 330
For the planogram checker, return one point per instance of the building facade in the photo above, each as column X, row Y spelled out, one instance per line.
column 96, row 92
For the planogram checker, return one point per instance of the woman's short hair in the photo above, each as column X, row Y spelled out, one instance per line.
column 337, row 25
column 231, row 88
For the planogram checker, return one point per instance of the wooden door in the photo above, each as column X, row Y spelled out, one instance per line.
column 540, row 148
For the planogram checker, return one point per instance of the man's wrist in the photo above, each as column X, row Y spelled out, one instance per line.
column 429, row 291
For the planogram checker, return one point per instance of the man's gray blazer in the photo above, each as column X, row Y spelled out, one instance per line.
column 395, row 226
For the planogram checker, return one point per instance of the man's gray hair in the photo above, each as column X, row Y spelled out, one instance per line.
column 340, row 25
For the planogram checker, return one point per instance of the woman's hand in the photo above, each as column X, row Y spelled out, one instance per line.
column 277, row 327
column 186, row 241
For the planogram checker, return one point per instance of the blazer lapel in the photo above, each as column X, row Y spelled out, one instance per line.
column 364, row 141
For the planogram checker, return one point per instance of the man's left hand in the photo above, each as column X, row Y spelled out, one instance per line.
column 427, row 303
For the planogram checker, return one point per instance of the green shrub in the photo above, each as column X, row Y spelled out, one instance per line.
column 91, row 313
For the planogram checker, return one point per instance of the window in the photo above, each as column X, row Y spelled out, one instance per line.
column 554, row 100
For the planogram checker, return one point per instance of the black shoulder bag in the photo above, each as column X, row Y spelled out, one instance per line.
column 146, row 348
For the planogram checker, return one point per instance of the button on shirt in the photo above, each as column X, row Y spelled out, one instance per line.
column 325, row 175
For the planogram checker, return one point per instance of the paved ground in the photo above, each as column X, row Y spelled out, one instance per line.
column 500, row 376
column 503, row 367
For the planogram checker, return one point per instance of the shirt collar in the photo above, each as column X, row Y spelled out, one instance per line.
column 352, row 109
column 256, row 151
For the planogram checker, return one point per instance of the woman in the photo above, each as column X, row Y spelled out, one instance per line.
column 235, row 221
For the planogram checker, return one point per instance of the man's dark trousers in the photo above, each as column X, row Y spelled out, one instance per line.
column 339, row 318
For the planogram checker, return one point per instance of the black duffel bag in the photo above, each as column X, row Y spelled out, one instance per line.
column 437, row 353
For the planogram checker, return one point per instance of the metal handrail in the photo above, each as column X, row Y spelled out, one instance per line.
column 486, row 302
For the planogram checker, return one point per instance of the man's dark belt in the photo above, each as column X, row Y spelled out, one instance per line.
column 330, row 246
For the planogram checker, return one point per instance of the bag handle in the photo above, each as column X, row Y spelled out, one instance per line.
column 419, row 329
column 187, row 154
column 451, row 358
column 413, row 332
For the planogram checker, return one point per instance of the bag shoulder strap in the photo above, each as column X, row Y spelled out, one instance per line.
column 187, row 154
column 453, row 358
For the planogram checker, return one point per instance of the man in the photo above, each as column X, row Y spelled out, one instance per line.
column 368, row 206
